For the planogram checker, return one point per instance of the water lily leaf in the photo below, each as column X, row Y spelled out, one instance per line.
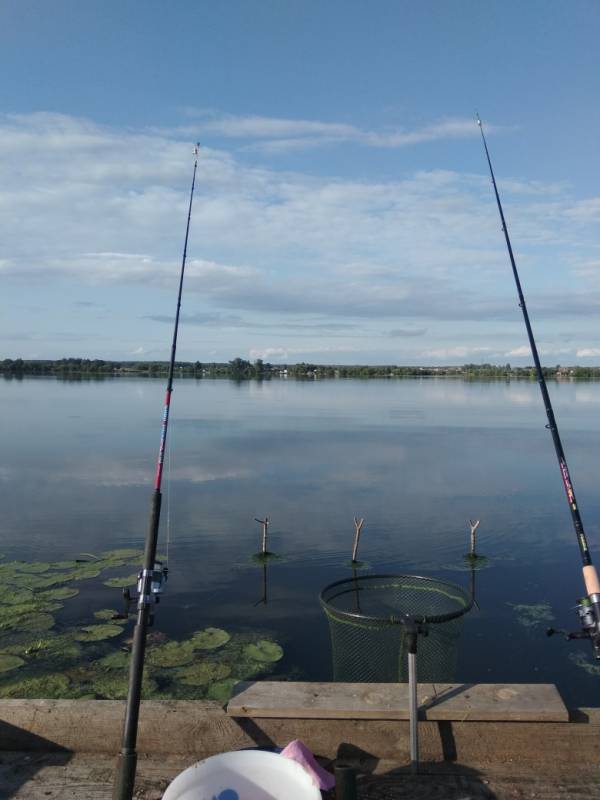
column 85, row 571
column 209, row 639
column 9, row 662
column 96, row 633
column 109, row 614
column 171, row 654
column 264, row 650
column 221, row 690
column 33, row 567
column 203, row 673
column 246, row 668
column 118, row 583
column 54, row 685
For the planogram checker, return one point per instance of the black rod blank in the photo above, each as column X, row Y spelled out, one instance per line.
column 589, row 571
column 126, row 766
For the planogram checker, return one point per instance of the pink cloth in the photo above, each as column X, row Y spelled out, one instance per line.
column 299, row 752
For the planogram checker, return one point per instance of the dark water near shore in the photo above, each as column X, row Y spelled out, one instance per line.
column 415, row 458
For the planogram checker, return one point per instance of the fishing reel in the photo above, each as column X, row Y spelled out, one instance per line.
column 158, row 577
column 590, row 628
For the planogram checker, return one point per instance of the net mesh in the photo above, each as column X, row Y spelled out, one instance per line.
column 367, row 616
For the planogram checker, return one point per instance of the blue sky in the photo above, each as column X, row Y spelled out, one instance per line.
column 343, row 211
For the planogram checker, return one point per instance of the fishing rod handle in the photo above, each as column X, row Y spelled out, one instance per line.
column 591, row 580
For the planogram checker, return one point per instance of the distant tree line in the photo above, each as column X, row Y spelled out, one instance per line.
column 241, row 369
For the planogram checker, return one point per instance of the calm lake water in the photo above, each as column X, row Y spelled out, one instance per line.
column 415, row 458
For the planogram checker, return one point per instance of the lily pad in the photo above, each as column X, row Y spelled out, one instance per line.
column 97, row 633
column 64, row 565
column 109, row 614
column 222, row 690
column 264, row 650
column 9, row 662
column 209, row 639
column 171, row 654
column 119, row 583
column 51, row 686
column 246, row 669
column 32, row 567
column 85, row 571
column 203, row 673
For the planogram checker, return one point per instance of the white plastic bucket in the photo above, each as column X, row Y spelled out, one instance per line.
column 244, row 775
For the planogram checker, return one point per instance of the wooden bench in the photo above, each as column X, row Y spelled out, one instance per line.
column 497, row 702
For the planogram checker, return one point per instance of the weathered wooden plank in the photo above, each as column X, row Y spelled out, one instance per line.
column 474, row 702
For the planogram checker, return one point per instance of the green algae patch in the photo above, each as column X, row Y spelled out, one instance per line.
column 97, row 633
column 221, row 690
column 117, row 660
column 580, row 660
column 30, row 622
column 121, row 583
column 112, row 686
column 10, row 662
column 122, row 554
column 264, row 650
column 14, row 596
column 64, row 564
column 171, row 654
column 533, row 614
column 52, row 686
column 209, row 639
column 61, row 647
column 203, row 673
column 61, row 593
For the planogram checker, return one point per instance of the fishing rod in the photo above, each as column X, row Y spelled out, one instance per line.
column 588, row 607
column 153, row 574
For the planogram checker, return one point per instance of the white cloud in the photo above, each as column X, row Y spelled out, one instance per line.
column 519, row 352
column 443, row 353
column 277, row 135
column 269, row 353
column 588, row 352
column 100, row 207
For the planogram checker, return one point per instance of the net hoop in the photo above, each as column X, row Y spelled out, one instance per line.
column 355, row 585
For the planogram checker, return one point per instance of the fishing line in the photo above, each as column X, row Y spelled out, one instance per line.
column 589, row 606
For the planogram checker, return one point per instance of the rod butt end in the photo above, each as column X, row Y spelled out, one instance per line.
column 124, row 776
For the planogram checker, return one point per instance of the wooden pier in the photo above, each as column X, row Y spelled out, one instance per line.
column 477, row 740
